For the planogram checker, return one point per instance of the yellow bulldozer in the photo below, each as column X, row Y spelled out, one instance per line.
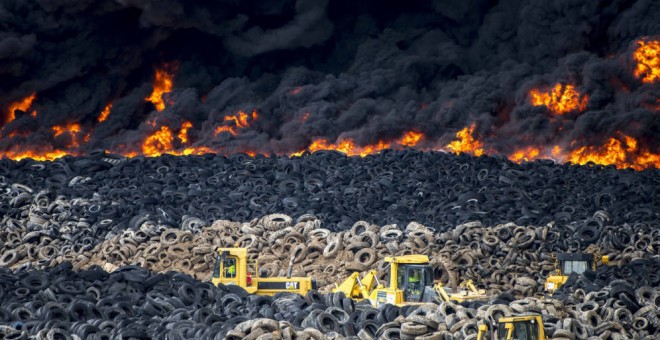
column 524, row 327
column 411, row 281
column 232, row 267
column 567, row 264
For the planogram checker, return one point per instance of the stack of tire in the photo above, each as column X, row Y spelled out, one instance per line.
column 87, row 244
column 107, row 194
column 507, row 257
column 135, row 303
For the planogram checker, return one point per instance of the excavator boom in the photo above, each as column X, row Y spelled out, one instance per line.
column 356, row 288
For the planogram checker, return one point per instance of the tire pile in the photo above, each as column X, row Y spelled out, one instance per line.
column 60, row 303
column 131, row 303
column 81, row 236
column 505, row 258
column 110, row 194
column 486, row 255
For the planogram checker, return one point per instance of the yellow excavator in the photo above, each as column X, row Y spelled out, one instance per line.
column 567, row 264
column 524, row 327
column 232, row 267
column 410, row 282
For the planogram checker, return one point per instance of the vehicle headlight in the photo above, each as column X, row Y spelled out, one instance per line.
column 550, row 285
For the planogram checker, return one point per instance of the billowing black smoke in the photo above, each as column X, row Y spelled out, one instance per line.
column 367, row 70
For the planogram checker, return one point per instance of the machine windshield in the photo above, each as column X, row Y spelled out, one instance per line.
column 216, row 267
column 522, row 330
column 229, row 266
column 577, row 267
column 412, row 279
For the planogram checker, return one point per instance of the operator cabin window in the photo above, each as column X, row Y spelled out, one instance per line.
column 521, row 331
column 230, row 267
column 216, row 268
column 578, row 267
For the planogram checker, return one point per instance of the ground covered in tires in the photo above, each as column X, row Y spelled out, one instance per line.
column 132, row 302
column 106, row 247
column 108, row 193
column 508, row 260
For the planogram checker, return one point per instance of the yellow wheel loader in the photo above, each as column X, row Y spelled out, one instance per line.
column 567, row 264
column 233, row 268
column 410, row 282
column 524, row 327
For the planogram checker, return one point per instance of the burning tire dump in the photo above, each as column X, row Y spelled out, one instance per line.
column 330, row 170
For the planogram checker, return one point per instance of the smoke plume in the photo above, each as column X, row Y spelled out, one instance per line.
column 365, row 71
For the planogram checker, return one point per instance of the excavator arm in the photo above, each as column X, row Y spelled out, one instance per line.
column 470, row 293
column 442, row 294
column 356, row 288
column 469, row 285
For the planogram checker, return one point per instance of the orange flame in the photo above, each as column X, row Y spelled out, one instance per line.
column 104, row 114
column 348, row 146
column 183, row 133
column 556, row 151
column 162, row 142
column 530, row 153
column 466, row 142
column 37, row 155
column 48, row 154
column 198, row 150
column 647, row 56
column 527, row 154
column 411, row 138
column 163, row 82
column 623, row 152
column 73, row 129
column 238, row 121
column 561, row 99
column 158, row 143
column 23, row 105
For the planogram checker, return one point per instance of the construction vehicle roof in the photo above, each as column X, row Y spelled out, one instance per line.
column 232, row 250
column 408, row 259
column 518, row 318
column 575, row 257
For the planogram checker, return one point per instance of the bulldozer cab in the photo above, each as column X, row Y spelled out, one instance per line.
column 569, row 263
column 225, row 266
column 520, row 330
column 527, row 327
column 578, row 263
column 231, row 267
column 413, row 280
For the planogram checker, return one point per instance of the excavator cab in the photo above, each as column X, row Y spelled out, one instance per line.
column 567, row 264
column 413, row 279
column 526, row 327
column 575, row 263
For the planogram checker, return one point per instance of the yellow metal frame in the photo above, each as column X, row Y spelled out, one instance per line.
column 300, row 285
column 394, row 262
column 507, row 323
column 557, row 279
column 369, row 288
column 467, row 292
